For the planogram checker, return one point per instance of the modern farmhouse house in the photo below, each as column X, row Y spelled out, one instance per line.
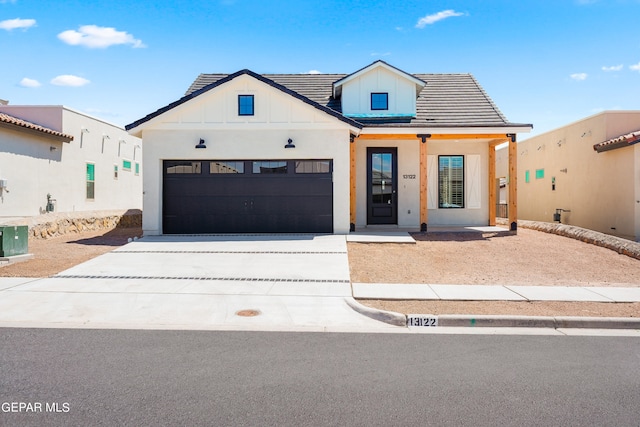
column 323, row 153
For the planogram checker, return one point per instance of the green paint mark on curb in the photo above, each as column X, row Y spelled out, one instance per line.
column 473, row 322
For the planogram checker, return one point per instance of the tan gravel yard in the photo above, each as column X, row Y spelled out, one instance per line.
column 528, row 258
column 51, row 256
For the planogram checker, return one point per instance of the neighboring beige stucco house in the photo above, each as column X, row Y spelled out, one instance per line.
column 83, row 163
column 245, row 152
column 589, row 169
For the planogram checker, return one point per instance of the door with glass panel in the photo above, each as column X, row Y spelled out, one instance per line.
column 382, row 185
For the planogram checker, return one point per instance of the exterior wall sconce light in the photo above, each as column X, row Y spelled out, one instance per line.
column 82, row 132
column 104, row 136
column 290, row 144
column 201, row 144
column 52, row 148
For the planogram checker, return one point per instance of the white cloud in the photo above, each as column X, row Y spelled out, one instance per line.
column 579, row 76
column 27, row 82
column 635, row 67
column 432, row 19
column 313, row 72
column 92, row 36
column 69, row 80
column 12, row 24
column 612, row 68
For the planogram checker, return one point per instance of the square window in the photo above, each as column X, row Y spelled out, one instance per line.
column 245, row 105
column 379, row 101
column 126, row 165
column 539, row 173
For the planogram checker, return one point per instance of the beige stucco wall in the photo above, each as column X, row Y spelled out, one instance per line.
column 213, row 117
column 600, row 189
column 34, row 170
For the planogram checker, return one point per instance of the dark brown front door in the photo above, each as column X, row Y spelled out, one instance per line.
column 382, row 185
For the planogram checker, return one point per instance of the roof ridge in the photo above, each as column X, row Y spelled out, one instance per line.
column 488, row 98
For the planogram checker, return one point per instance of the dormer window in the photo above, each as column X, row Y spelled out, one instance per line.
column 245, row 105
column 380, row 101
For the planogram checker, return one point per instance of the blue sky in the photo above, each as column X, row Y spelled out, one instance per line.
column 545, row 62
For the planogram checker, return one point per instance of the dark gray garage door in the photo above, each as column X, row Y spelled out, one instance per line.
column 293, row 196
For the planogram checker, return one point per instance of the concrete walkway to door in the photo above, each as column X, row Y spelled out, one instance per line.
column 256, row 282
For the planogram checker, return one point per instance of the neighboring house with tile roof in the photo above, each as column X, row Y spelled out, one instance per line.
column 323, row 153
column 588, row 172
column 55, row 157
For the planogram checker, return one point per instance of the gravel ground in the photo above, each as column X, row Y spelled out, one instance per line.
column 528, row 258
column 51, row 256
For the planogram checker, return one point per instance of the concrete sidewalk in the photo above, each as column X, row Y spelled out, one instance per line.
column 494, row 293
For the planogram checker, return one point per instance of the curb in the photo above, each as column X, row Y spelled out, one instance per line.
column 489, row 321
column 390, row 317
column 455, row 320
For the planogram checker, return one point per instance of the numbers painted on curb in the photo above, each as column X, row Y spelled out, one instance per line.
column 424, row 321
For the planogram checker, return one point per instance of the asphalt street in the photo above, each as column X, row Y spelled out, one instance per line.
column 150, row 377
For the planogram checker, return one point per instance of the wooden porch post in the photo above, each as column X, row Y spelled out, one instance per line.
column 492, row 181
column 424, row 213
column 513, row 183
column 352, row 181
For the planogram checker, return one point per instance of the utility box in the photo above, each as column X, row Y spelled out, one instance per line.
column 14, row 240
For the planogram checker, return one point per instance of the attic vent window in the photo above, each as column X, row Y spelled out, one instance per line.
column 379, row 101
column 245, row 105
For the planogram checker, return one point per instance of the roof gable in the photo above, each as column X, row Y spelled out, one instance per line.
column 337, row 86
column 227, row 78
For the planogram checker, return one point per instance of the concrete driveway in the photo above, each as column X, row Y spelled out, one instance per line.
column 258, row 282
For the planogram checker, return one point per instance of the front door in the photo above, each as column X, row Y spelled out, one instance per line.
column 382, row 185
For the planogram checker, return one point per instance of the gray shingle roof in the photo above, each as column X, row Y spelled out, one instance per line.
column 448, row 100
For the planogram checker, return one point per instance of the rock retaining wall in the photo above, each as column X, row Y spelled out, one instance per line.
column 58, row 224
column 618, row 244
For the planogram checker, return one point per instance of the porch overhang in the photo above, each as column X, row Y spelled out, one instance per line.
column 492, row 136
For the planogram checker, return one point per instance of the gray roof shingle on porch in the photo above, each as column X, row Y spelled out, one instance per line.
column 448, row 100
